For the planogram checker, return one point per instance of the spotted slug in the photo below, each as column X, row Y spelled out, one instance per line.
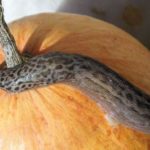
column 119, row 99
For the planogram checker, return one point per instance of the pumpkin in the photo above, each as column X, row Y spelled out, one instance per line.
column 61, row 117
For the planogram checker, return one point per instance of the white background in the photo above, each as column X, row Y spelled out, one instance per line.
column 15, row 9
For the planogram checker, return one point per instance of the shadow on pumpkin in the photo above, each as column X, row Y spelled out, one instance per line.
column 47, row 40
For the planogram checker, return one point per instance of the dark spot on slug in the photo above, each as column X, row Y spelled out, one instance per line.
column 86, row 67
column 71, row 67
column 44, row 66
column 8, row 83
column 61, row 77
column 52, row 75
column 23, row 86
column 25, row 68
column 79, row 60
column 3, row 74
column 146, row 116
column 11, row 75
column 64, row 72
column 50, row 61
column 19, row 83
column 129, row 96
column 17, row 88
column 45, row 74
column 2, row 79
column 34, row 70
column 69, row 76
column 120, row 93
column 67, row 61
column 18, row 72
column 122, row 88
column 48, row 80
column 29, row 85
column 32, row 65
column 103, row 81
column 38, row 66
column 139, row 94
column 8, row 88
column 95, row 74
column 49, row 71
column 142, row 104
column 7, row 53
column 58, row 67
column 30, row 69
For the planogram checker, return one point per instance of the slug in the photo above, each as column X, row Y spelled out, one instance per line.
column 120, row 100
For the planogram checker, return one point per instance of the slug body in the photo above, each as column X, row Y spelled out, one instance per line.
column 121, row 101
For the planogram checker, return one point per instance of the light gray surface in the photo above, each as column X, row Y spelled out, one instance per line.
column 15, row 9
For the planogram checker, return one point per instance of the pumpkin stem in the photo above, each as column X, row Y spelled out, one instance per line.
column 12, row 56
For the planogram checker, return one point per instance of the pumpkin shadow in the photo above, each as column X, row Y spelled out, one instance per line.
column 44, row 39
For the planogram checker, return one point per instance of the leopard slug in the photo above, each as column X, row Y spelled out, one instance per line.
column 120, row 100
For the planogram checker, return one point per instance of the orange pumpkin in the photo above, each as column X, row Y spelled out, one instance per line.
column 60, row 117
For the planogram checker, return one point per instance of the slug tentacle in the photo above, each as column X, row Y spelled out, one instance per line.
column 121, row 101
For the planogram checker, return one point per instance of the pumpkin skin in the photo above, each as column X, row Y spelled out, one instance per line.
column 60, row 116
